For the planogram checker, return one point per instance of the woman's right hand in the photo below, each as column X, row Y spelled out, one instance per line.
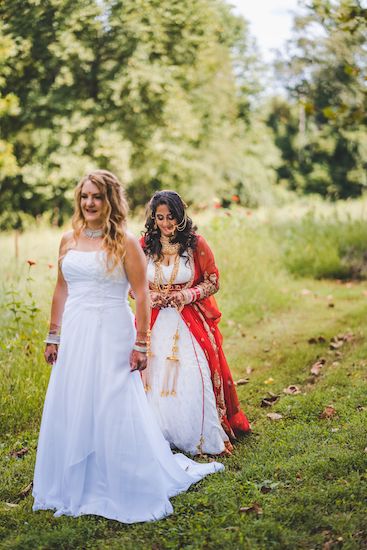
column 50, row 353
column 157, row 300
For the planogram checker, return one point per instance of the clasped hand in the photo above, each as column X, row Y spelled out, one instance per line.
column 173, row 299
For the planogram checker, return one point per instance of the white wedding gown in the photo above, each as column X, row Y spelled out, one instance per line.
column 100, row 449
column 188, row 418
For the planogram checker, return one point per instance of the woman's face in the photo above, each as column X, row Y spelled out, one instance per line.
column 166, row 223
column 92, row 204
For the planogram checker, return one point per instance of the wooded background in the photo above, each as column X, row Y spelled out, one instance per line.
column 174, row 94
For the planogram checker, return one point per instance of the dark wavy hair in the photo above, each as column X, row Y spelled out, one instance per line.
column 152, row 234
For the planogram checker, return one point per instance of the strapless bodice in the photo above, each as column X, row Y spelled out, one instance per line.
column 89, row 281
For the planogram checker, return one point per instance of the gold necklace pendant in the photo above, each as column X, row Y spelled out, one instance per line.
column 168, row 248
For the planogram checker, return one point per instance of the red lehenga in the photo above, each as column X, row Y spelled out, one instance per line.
column 202, row 317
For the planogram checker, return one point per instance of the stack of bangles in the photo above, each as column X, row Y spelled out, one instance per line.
column 142, row 342
column 140, row 346
column 191, row 294
column 52, row 338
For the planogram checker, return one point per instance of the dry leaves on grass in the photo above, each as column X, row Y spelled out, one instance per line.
column 317, row 340
column 242, row 381
column 292, row 390
column 254, row 508
column 328, row 412
column 338, row 341
column 274, row 416
column 269, row 400
column 316, row 367
column 20, row 453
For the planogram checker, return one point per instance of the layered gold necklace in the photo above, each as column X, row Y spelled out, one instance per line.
column 168, row 248
column 159, row 284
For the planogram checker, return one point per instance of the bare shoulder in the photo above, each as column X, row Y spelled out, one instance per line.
column 134, row 250
column 66, row 238
column 131, row 242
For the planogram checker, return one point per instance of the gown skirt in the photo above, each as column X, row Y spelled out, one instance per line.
column 188, row 416
column 100, row 448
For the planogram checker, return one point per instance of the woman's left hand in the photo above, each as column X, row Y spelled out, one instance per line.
column 138, row 360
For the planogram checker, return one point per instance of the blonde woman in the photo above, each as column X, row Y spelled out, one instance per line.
column 100, row 450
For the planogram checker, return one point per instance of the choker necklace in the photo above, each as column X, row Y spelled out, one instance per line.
column 92, row 233
column 169, row 249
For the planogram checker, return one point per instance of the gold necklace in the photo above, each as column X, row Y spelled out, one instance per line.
column 168, row 248
column 160, row 286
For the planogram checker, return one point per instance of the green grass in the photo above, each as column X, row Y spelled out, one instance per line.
column 306, row 473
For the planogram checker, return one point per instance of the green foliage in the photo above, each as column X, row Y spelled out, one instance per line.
column 321, row 132
column 147, row 89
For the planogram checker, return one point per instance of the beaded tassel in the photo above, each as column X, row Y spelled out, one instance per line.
column 172, row 366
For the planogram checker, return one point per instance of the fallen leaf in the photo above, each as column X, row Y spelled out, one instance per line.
column 316, row 367
column 337, row 341
column 292, row 390
column 269, row 381
column 19, row 454
column 255, row 507
column 242, row 381
column 274, row 416
column 267, row 485
column 328, row 412
column 269, row 400
column 317, row 340
column 336, row 344
column 26, row 491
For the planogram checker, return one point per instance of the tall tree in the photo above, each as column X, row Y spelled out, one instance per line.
column 322, row 132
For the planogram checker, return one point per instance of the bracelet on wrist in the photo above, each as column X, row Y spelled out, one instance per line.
column 141, row 349
column 52, row 339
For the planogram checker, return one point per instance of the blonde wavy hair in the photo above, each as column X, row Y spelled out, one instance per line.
column 116, row 210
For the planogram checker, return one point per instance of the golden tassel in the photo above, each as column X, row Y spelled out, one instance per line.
column 172, row 365
column 146, row 372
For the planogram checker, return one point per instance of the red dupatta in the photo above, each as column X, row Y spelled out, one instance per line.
column 202, row 318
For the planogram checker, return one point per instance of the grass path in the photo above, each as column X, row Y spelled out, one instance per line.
column 302, row 478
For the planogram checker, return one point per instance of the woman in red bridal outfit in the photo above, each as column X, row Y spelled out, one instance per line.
column 188, row 381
